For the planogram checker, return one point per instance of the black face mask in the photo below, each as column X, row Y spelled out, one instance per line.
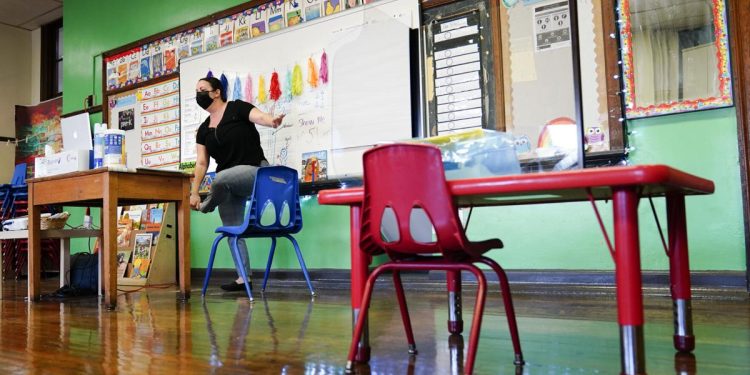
column 203, row 100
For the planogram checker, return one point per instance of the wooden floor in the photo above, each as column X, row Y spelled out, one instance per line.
column 288, row 333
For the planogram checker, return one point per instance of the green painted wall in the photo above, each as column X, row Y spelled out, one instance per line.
column 536, row 237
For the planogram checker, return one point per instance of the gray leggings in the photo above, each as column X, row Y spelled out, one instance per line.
column 230, row 191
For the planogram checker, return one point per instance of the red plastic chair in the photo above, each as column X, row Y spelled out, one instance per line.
column 401, row 177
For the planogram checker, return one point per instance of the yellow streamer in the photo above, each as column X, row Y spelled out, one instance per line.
column 261, row 90
column 297, row 85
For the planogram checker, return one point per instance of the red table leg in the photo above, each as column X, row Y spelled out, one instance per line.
column 360, row 273
column 679, row 273
column 628, row 280
column 455, row 320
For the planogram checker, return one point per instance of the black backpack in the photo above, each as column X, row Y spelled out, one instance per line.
column 83, row 272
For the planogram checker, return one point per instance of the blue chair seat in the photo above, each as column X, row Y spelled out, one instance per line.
column 276, row 188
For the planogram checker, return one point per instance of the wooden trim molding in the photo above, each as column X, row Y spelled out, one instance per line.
column 497, row 64
column 611, row 70
column 739, row 41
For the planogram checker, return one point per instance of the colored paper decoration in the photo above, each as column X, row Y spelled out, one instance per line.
column 324, row 68
column 297, row 80
column 288, row 85
column 224, row 86
column 275, row 90
column 312, row 73
column 261, row 90
column 249, row 88
column 237, row 88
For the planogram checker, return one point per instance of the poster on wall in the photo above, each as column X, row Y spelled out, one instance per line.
column 37, row 126
column 551, row 26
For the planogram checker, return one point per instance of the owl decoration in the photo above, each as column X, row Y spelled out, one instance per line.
column 594, row 136
column 595, row 139
column 522, row 144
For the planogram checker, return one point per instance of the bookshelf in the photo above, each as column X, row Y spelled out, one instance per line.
column 162, row 268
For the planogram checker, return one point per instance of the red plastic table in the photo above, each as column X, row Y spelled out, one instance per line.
column 624, row 186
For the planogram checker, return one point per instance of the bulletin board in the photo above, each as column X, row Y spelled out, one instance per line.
column 150, row 117
column 343, row 82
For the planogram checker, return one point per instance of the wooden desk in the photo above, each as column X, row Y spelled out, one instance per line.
column 624, row 186
column 109, row 189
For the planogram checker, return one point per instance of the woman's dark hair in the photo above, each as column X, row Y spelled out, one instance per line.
column 216, row 85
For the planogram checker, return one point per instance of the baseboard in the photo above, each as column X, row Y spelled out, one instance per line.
column 340, row 279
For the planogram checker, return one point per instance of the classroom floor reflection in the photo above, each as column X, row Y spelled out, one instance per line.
column 288, row 333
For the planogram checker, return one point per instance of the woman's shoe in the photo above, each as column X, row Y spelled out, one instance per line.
column 236, row 287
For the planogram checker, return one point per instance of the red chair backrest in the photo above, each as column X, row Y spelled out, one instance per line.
column 404, row 176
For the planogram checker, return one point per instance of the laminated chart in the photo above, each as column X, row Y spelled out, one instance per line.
column 457, row 66
column 159, row 107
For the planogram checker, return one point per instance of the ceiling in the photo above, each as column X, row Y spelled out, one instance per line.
column 29, row 14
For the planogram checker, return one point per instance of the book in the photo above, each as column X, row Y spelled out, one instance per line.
column 205, row 186
column 135, row 216
column 123, row 259
column 157, row 215
column 314, row 166
column 141, row 254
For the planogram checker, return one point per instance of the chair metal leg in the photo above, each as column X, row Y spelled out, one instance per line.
column 476, row 323
column 509, row 311
column 404, row 311
column 211, row 263
column 268, row 264
column 240, row 265
column 362, row 318
column 301, row 263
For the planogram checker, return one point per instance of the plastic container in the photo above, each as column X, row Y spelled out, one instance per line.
column 99, row 130
column 114, row 148
column 477, row 154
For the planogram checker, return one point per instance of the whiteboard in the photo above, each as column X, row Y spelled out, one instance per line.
column 366, row 100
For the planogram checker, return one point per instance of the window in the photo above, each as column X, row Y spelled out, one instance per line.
column 52, row 60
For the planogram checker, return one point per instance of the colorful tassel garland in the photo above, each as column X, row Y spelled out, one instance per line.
column 210, row 74
column 261, row 90
column 324, row 68
column 237, row 89
column 249, row 88
column 224, row 86
column 312, row 73
column 288, row 85
column 297, row 80
column 275, row 90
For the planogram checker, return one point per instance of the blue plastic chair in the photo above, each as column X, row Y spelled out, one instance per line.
column 275, row 188
column 17, row 185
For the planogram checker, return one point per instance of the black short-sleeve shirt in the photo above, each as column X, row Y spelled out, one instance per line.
column 235, row 141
